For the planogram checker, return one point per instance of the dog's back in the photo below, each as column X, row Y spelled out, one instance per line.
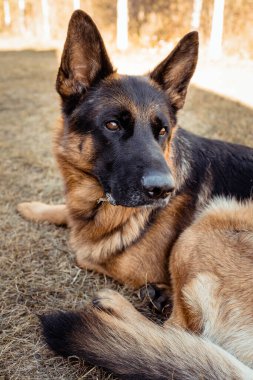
column 212, row 168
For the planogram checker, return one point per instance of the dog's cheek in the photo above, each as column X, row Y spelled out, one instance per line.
column 87, row 149
column 79, row 150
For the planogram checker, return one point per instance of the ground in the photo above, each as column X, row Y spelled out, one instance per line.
column 37, row 268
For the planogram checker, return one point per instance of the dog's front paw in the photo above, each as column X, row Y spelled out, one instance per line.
column 112, row 302
column 158, row 297
column 31, row 210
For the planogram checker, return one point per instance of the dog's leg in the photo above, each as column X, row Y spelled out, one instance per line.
column 130, row 270
column 212, row 281
column 137, row 268
column 42, row 212
column 201, row 307
column 113, row 335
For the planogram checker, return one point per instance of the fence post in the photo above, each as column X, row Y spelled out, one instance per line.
column 122, row 24
column 215, row 46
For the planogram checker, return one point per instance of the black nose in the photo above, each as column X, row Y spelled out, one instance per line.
column 158, row 185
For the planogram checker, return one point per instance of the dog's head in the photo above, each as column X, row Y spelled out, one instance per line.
column 118, row 128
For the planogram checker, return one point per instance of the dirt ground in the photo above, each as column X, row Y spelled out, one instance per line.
column 37, row 268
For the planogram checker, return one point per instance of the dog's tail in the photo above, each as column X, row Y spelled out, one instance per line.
column 139, row 351
column 42, row 212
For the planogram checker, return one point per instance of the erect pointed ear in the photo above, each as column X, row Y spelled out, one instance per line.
column 84, row 59
column 173, row 74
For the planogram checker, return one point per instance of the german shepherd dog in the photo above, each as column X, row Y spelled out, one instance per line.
column 148, row 202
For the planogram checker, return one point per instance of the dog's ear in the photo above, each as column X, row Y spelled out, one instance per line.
column 173, row 74
column 84, row 59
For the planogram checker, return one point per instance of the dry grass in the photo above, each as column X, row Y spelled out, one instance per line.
column 38, row 271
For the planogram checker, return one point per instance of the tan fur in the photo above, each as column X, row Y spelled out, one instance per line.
column 122, row 321
column 116, row 229
column 97, row 242
column 211, row 261
column 212, row 279
column 129, row 244
column 41, row 212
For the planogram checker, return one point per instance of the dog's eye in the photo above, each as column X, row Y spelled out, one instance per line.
column 112, row 125
column 163, row 131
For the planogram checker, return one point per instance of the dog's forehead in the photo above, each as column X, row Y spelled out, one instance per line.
column 136, row 93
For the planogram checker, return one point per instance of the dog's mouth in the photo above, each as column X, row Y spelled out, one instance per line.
column 110, row 199
column 137, row 201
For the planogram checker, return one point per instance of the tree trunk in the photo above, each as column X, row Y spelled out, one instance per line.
column 196, row 14
column 215, row 47
column 7, row 13
column 45, row 13
column 21, row 6
column 76, row 4
column 122, row 24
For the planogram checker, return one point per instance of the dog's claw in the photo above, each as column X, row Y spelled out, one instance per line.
column 96, row 302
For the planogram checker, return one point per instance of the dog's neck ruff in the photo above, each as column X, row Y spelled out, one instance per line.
column 110, row 231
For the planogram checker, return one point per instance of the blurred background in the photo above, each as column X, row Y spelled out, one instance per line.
column 144, row 31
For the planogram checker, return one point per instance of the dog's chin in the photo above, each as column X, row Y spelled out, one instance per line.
column 138, row 201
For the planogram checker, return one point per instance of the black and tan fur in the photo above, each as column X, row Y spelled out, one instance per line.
column 119, row 240
column 210, row 332
column 115, row 131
